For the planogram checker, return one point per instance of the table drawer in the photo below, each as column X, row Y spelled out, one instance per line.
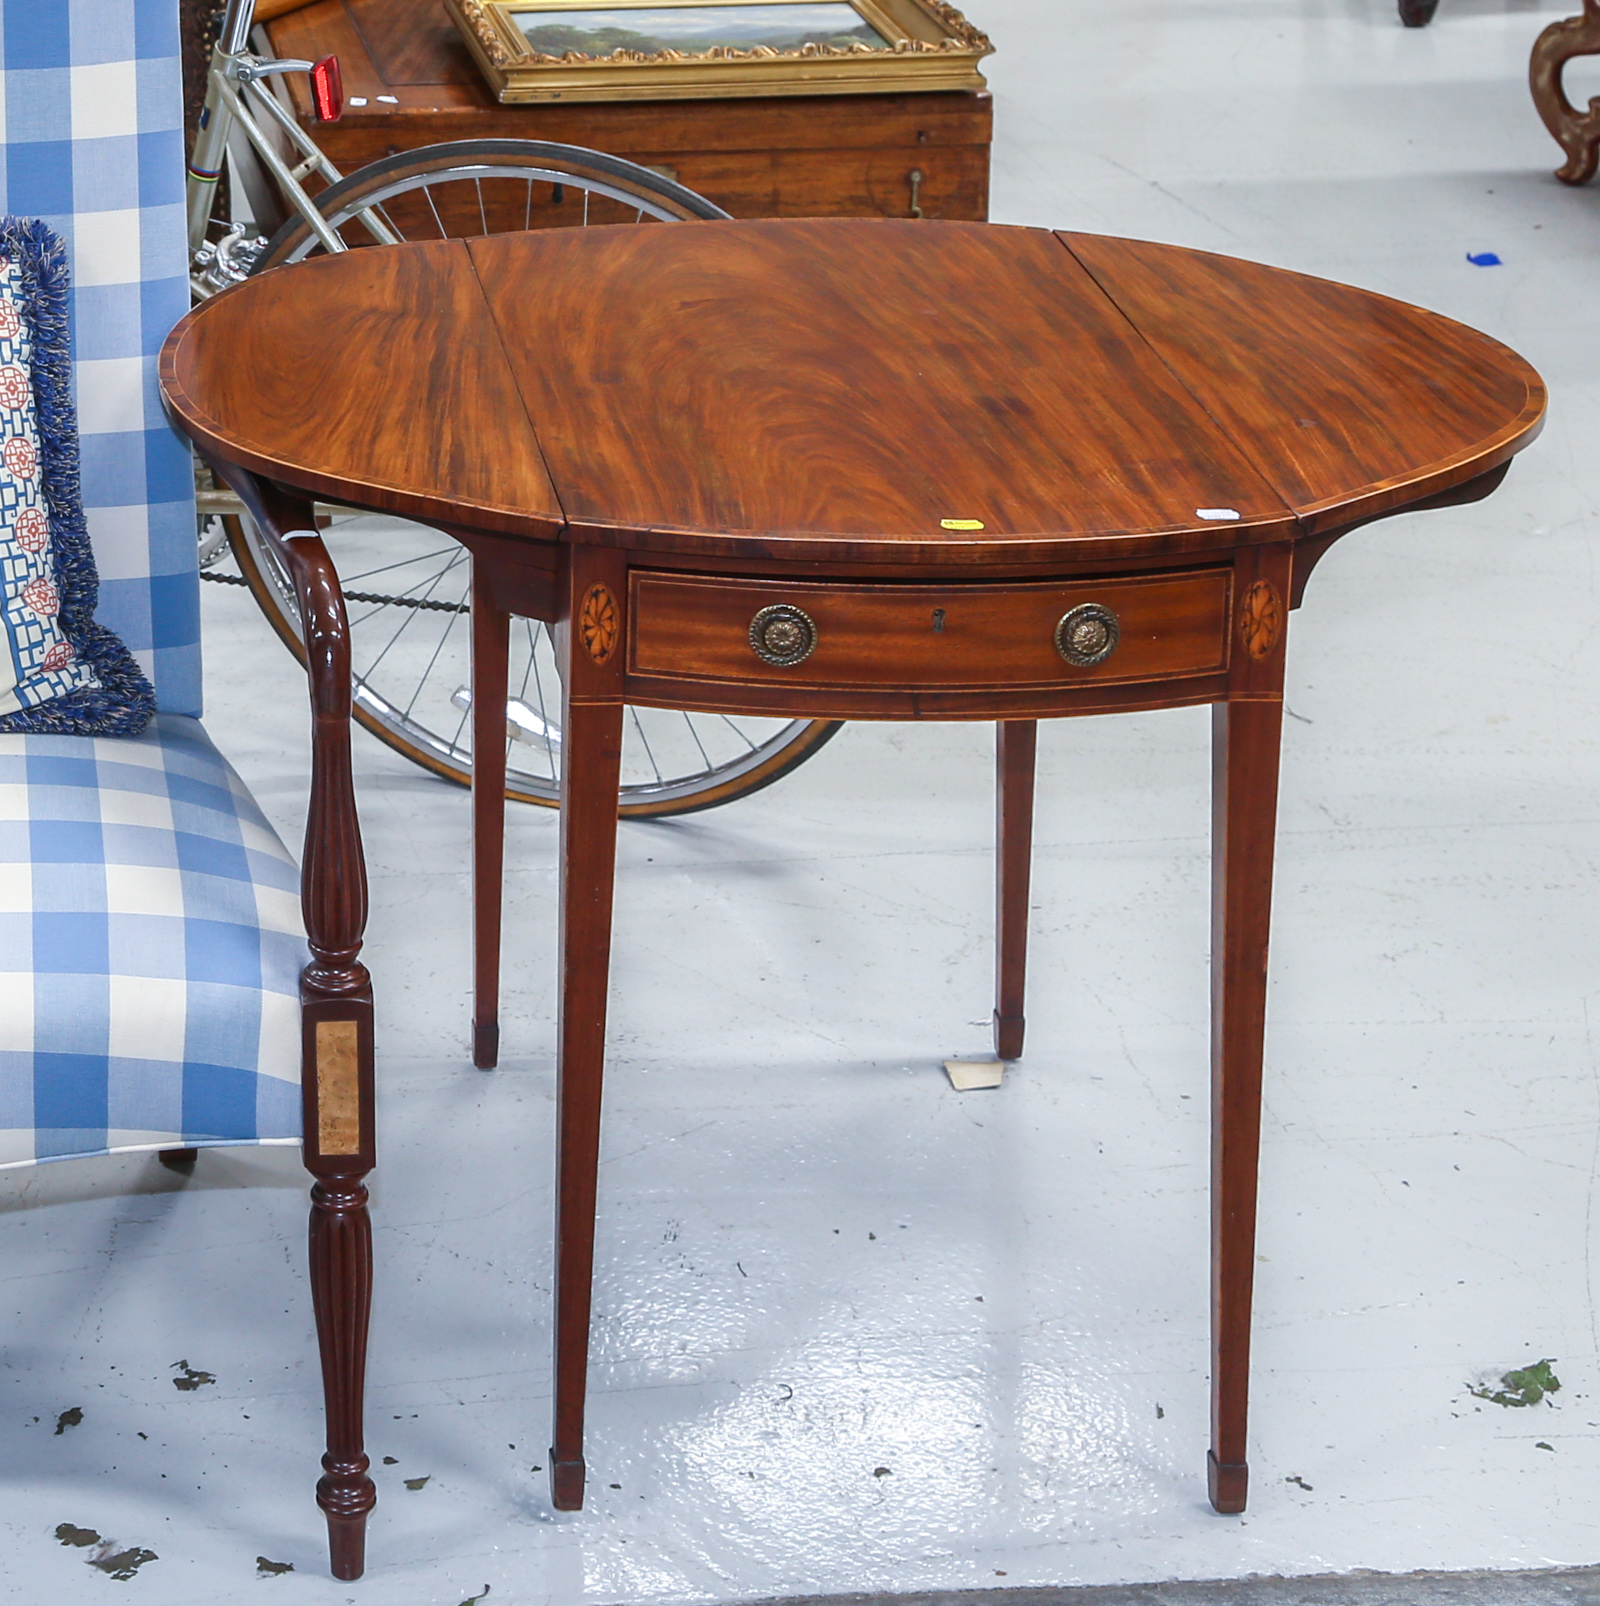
column 934, row 637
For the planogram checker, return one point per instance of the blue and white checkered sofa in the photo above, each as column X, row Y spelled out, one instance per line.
column 150, row 931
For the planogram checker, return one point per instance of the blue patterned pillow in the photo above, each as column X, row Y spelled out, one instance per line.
column 60, row 671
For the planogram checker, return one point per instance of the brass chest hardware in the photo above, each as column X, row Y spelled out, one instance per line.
column 783, row 635
column 1087, row 635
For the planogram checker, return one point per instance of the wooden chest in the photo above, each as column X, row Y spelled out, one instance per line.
column 800, row 156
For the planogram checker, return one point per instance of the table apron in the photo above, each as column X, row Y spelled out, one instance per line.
column 1055, row 702
column 897, row 650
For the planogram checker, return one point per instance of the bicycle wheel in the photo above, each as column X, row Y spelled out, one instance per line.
column 408, row 585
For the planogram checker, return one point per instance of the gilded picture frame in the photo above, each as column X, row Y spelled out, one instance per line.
column 586, row 50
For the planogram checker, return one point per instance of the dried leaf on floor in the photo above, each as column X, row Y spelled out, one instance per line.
column 1525, row 1386
column 122, row 1563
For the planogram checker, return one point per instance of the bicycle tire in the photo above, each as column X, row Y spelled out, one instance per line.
column 624, row 185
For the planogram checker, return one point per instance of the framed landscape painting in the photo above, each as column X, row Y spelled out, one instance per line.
column 546, row 50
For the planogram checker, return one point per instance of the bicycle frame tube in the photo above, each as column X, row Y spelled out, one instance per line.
column 236, row 22
column 210, row 147
column 234, row 93
column 275, row 164
column 315, row 161
column 216, row 120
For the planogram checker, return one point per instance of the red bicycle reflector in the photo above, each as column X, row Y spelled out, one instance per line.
column 327, row 90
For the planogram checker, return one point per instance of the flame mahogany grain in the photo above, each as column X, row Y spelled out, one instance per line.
column 317, row 365
column 1350, row 403
column 832, row 389
column 646, row 435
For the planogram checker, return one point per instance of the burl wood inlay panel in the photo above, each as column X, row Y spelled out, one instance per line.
column 338, row 1087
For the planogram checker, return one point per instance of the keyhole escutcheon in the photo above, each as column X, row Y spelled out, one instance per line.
column 938, row 621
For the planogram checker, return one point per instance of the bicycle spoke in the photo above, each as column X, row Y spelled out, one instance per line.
column 689, row 721
column 538, row 686
column 405, row 599
column 427, row 195
column 439, row 648
column 737, row 732
column 522, row 690
column 389, row 223
column 411, row 615
column 638, row 725
column 399, row 563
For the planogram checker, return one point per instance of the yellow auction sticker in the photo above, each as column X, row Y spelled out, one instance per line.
column 960, row 524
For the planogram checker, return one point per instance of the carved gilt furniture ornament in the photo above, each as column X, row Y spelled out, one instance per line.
column 969, row 562
column 708, row 49
column 1577, row 133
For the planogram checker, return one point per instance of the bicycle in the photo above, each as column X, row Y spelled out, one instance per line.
column 410, row 632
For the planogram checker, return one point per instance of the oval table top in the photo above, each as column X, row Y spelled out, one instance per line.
column 845, row 391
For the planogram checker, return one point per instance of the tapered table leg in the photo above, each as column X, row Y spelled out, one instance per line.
column 491, row 634
column 1245, row 791
column 1016, row 742
column 589, row 645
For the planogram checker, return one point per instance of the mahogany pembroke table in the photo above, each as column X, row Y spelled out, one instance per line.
column 842, row 469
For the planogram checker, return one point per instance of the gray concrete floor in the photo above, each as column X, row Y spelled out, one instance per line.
column 1553, row 1587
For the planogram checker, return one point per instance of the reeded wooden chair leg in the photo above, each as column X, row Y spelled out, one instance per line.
column 1016, row 743
column 338, row 1104
column 336, row 1056
column 341, row 1294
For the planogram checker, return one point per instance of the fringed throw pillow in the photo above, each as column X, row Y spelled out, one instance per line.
column 60, row 671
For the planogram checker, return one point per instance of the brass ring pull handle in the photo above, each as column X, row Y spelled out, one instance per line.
column 783, row 635
column 1087, row 635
